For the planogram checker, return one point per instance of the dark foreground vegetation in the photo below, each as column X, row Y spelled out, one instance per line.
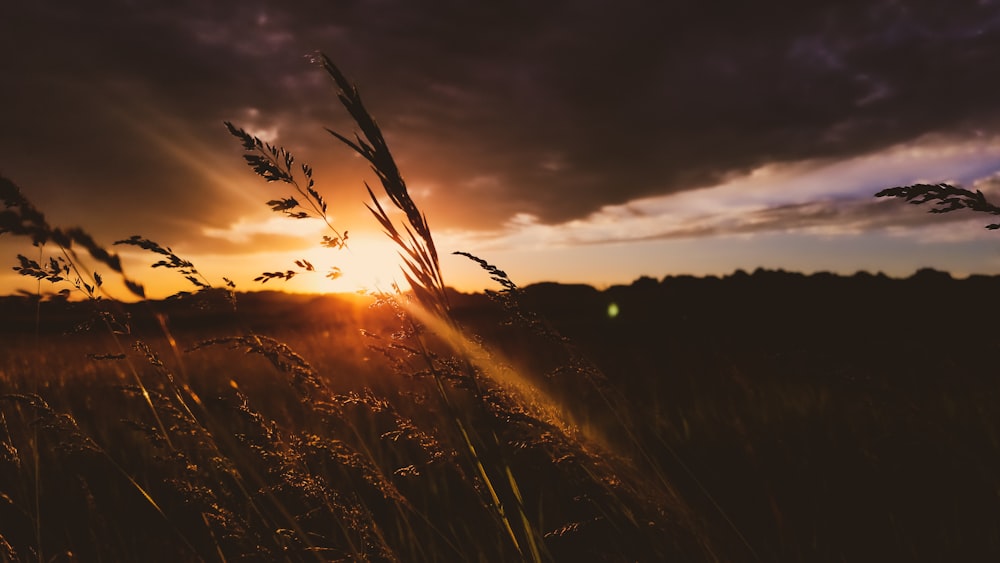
column 794, row 418
column 186, row 433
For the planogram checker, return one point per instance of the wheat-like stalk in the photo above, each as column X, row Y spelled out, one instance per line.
column 419, row 253
column 21, row 218
column 944, row 198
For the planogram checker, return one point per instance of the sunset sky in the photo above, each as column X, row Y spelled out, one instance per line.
column 572, row 141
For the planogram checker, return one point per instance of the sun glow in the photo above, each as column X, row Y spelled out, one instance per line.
column 369, row 263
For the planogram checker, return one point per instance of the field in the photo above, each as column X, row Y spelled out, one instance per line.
column 763, row 417
column 771, row 416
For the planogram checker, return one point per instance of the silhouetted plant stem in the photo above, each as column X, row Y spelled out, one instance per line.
column 423, row 273
column 944, row 198
column 422, row 270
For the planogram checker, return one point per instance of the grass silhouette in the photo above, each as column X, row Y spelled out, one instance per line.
column 944, row 198
column 234, row 447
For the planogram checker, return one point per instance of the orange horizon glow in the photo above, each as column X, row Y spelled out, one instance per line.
column 370, row 264
column 807, row 217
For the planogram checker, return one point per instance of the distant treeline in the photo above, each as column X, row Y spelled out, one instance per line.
column 744, row 301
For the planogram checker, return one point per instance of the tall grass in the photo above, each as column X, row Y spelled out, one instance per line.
column 236, row 447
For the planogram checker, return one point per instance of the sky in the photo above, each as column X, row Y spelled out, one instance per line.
column 576, row 141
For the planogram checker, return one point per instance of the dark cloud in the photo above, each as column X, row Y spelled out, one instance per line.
column 548, row 108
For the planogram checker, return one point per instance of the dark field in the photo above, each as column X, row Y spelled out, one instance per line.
column 769, row 417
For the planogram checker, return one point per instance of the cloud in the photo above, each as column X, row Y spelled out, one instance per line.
column 272, row 234
column 816, row 197
column 556, row 110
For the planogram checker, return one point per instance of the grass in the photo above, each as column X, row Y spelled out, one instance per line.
column 137, row 449
column 519, row 426
column 253, row 454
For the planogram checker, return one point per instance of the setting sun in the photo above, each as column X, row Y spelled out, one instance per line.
column 369, row 263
